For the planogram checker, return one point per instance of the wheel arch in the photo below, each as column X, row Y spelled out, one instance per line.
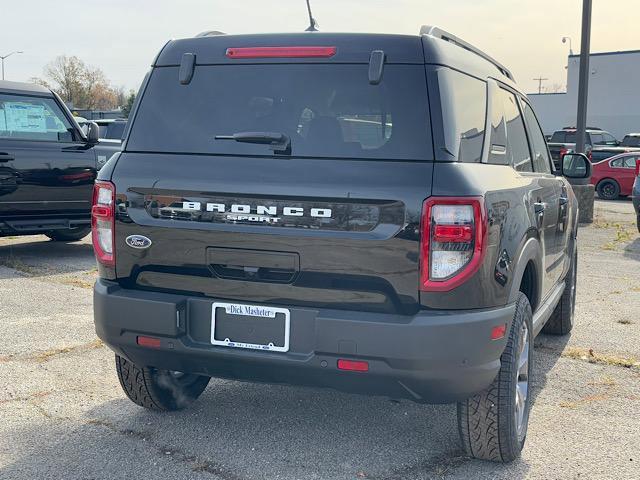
column 528, row 273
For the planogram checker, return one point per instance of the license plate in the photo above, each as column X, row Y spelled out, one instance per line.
column 250, row 326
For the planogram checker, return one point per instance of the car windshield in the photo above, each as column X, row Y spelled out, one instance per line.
column 325, row 110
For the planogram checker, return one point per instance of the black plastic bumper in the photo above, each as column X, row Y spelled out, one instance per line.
column 434, row 356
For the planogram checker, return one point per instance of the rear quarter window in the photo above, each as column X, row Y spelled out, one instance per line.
column 327, row 110
column 464, row 111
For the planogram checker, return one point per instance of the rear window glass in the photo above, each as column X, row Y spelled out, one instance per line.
column 326, row 111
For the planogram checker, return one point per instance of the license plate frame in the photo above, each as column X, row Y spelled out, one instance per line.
column 240, row 309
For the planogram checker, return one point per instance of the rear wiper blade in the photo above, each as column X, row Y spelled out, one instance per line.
column 278, row 142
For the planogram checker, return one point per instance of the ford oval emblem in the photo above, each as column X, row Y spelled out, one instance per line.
column 138, row 241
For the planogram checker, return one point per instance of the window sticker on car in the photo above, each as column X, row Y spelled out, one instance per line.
column 25, row 117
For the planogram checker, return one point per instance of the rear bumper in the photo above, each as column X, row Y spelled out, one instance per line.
column 434, row 356
column 30, row 225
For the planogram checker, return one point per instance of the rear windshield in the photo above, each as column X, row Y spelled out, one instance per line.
column 326, row 111
column 631, row 141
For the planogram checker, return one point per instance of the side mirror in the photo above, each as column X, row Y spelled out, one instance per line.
column 576, row 166
column 93, row 132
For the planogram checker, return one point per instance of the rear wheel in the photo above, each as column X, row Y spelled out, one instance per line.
column 160, row 390
column 561, row 321
column 493, row 424
column 608, row 189
column 70, row 235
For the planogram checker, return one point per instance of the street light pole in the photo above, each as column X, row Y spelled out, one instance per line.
column 583, row 87
column 568, row 39
column 2, row 57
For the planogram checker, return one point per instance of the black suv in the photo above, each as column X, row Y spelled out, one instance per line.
column 372, row 213
column 47, row 165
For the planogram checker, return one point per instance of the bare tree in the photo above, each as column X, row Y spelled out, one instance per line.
column 555, row 88
column 79, row 84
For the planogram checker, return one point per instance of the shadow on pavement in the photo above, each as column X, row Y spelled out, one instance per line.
column 632, row 250
column 40, row 256
column 242, row 431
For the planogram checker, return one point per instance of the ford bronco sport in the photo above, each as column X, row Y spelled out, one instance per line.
column 371, row 213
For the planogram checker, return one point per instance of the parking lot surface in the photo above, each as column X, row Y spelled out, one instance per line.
column 63, row 414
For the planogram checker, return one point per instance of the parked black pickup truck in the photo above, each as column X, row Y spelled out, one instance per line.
column 47, row 165
column 336, row 210
column 600, row 145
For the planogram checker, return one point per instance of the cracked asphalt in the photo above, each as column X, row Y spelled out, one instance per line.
column 64, row 416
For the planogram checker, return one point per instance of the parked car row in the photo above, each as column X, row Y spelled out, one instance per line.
column 599, row 144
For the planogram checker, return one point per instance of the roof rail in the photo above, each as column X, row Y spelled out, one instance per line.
column 449, row 37
column 210, row 33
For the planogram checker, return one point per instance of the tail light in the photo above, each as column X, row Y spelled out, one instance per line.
column 563, row 152
column 102, row 222
column 638, row 168
column 453, row 236
column 590, row 155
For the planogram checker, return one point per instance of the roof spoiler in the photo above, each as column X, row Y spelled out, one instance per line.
column 449, row 37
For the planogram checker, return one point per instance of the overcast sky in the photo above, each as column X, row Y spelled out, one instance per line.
column 122, row 36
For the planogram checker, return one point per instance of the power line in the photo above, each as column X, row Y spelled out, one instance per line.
column 540, row 80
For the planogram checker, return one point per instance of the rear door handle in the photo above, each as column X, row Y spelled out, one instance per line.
column 5, row 157
column 539, row 208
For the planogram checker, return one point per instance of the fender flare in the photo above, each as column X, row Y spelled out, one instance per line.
column 530, row 251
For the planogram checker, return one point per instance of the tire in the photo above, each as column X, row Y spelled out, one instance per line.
column 70, row 235
column 608, row 190
column 493, row 423
column 561, row 320
column 159, row 390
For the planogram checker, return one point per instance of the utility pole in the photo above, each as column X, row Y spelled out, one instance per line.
column 540, row 80
column 583, row 87
column 2, row 57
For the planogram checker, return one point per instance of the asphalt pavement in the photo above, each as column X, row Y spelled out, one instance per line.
column 64, row 416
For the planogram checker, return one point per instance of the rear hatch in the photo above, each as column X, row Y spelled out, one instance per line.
column 328, row 218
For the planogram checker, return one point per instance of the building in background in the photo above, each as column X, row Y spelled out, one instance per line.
column 614, row 95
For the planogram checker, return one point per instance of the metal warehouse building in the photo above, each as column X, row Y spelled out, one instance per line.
column 614, row 95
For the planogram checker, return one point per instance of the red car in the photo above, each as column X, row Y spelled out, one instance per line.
column 614, row 176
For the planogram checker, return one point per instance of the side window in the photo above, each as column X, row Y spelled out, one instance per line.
column 597, row 139
column 33, row 118
column 609, row 139
column 618, row 163
column 509, row 145
column 541, row 160
column 630, row 162
column 464, row 105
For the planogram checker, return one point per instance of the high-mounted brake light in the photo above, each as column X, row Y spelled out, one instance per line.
column 453, row 241
column 102, row 222
column 280, row 52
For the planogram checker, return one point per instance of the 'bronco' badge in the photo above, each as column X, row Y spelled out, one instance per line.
column 138, row 241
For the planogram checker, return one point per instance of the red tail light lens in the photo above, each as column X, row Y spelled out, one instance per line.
column 353, row 365
column 638, row 168
column 102, row 222
column 280, row 52
column 453, row 240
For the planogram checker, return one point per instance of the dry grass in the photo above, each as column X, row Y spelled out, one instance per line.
column 589, row 355
column 623, row 235
column 54, row 352
column 76, row 282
